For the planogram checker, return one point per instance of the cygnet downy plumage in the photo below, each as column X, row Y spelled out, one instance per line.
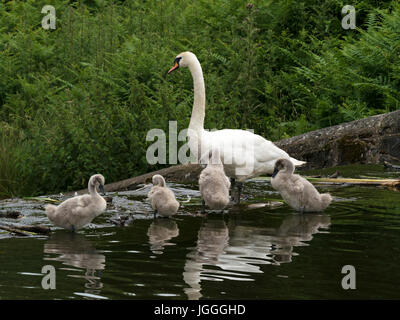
column 76, row 212
column 162, row 199
column 298, row 192
column 214, row 184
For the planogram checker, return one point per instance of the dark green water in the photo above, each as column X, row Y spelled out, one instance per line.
column 259, row 253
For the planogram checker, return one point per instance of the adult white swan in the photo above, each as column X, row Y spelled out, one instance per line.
column 244, row 154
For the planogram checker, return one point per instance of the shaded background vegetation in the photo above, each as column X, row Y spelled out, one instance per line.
column 80, row 99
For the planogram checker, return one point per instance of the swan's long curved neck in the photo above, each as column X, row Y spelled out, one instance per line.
column 161, row 183
column 92, row 189
column 199, row 103
column 289, row 170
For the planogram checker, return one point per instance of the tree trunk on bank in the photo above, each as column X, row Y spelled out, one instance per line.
column 371, row 140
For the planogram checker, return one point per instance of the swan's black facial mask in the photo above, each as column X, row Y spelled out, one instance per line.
column 276, row 170
column 101, row 187
column 176, row 65
column 278, row 166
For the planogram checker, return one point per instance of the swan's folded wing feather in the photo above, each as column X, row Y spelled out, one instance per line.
column 241, row 144
column 298, row 185
column 84, row 201
column 73, row 205
column 265, row 150
column 227, row 182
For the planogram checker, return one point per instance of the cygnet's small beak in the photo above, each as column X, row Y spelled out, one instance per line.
column 276, row 170
column 101, row 187
column 176, row 66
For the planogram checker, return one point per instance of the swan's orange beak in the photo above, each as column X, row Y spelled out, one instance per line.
column 176, row 66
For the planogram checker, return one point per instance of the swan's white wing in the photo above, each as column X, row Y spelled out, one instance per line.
column 241, row 148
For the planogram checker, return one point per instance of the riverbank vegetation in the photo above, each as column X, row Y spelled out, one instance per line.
column 80, row 99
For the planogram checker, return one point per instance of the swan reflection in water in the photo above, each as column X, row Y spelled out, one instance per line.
column 160, row 232
column 74, row 250
column 238, row 250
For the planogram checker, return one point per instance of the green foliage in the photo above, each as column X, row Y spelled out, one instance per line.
column 9, row 178
column 80, row 99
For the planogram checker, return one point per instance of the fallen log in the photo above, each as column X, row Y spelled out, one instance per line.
column 184, row 173
column 370, row 140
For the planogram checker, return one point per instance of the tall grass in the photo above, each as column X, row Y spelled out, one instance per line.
column 10, row 183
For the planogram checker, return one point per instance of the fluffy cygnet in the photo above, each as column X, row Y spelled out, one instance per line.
column 298, row 192
column 76, row 212
column 162, row 199
column 214, row 184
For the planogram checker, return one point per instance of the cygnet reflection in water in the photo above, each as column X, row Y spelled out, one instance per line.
column 239, row 250
column 74, row 250
column 212, row 239
column 160, row 232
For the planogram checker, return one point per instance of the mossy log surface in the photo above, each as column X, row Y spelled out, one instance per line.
column 370, row 140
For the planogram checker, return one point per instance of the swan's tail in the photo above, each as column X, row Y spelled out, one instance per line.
column 296, row 162
column 51, row 211
column 325, row 200
column 217, row 202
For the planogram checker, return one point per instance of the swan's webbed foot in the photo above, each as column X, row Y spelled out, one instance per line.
column 232, row 189
column 155, row 213
column 73, row 229
column 240, row 188
column 203, row 206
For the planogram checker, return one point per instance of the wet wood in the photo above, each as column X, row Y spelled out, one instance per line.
column 35, row 229
column 391, row 166
column 184, row 173
column 13, row 230
column 26, row 230
column 370, row 140
column 392, row 183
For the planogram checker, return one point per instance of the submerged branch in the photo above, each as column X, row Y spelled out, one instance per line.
column 25, row 230
column 374, row 182
column 13, row 230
